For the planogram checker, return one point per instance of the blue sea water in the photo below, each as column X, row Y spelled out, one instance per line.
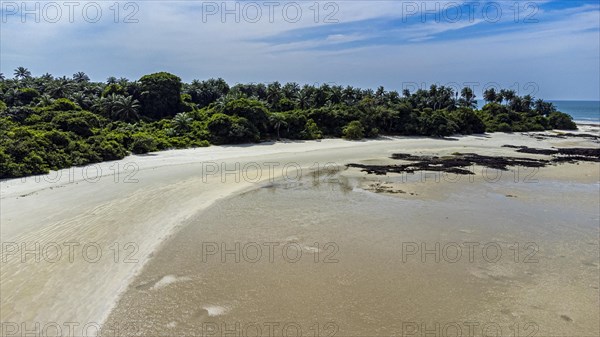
column 581, row 111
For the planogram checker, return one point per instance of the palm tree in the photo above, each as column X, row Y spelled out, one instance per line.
column 507, row 95
column 181, row 122
column 81, row 77
column 1, row 77
column 348, row 95
column 490, row 95
column 320, row 94
column 392, row 97
column 111, row 80
column 380, row 92
column 231, row 96
column 81, row 99
column 467, row 98
column 107, row 105
column 278, row 120
column 11, row 96
column 22, row 72
column 61, row 87
column 544, row 108
column 122, row 81
column 274, row 93
column 45, row 100
column 291, row 91
column 335, row 95
column 125, row 108
column 527, row 103
column 47, row 77
column 304, row 98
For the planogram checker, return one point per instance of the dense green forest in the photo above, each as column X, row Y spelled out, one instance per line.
column 48, row 123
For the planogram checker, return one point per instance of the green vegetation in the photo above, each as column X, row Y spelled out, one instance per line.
column 354, row 130
column 49, row 123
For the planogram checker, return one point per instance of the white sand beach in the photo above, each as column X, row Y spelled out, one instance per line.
column 106, row 226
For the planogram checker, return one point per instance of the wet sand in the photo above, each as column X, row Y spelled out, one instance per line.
column 173, row 209
column 352, row 277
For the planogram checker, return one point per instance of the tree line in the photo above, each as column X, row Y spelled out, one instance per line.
column 49, row 123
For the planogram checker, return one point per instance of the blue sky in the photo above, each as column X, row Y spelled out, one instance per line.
column 550, row 49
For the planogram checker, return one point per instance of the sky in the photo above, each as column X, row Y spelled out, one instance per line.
column 548, row 48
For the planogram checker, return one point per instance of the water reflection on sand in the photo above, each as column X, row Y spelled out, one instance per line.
column 326, row 257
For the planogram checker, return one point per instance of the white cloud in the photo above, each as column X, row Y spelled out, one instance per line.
column 561, row 52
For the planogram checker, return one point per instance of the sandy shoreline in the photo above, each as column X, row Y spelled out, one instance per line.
column 127, row 216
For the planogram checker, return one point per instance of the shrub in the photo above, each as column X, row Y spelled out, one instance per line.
column 561, row 121
column 312, row 131
column 79, row 122
column 27, row 95
column 142, row 142
column 243, row 131
column 161, row 95
column 20, row 114
column 227, row 129
column 252, row 110
column 504, row 127
column 82, row 153
column 62, row 104
column 437, row 124
column 219, row 125
column 113, row 89
column 354, row 130
column 110, row 150
column 373, row 133
column 467, row 121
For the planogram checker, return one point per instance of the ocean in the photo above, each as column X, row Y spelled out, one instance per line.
column 581, row 111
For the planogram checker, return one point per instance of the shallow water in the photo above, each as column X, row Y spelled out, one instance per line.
column 324, row 258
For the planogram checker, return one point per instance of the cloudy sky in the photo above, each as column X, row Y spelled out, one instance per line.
column 550, row 49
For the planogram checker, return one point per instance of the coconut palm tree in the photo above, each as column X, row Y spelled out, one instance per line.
column 11, row 96
column 61, row 87
column 304, row 98
column 392, row 97
column 335, row 95
column 231, row 96
column 125, row 108
column 181, row 122
column 106, row 105
column 47, row 77
column 527, row 103
column 22, row 73
column 45, row 100
column 111, row 80
column 490, row 95
column 291, row 91
column 467, row 98
column 273, row 93
column 277, row 120
column 506, row 95
column 80, row 77
column 81, row 99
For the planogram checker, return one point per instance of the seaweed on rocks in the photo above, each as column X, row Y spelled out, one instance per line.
column 456, row 164
column 525, row 149
column 563, row 135
column 564, row 154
